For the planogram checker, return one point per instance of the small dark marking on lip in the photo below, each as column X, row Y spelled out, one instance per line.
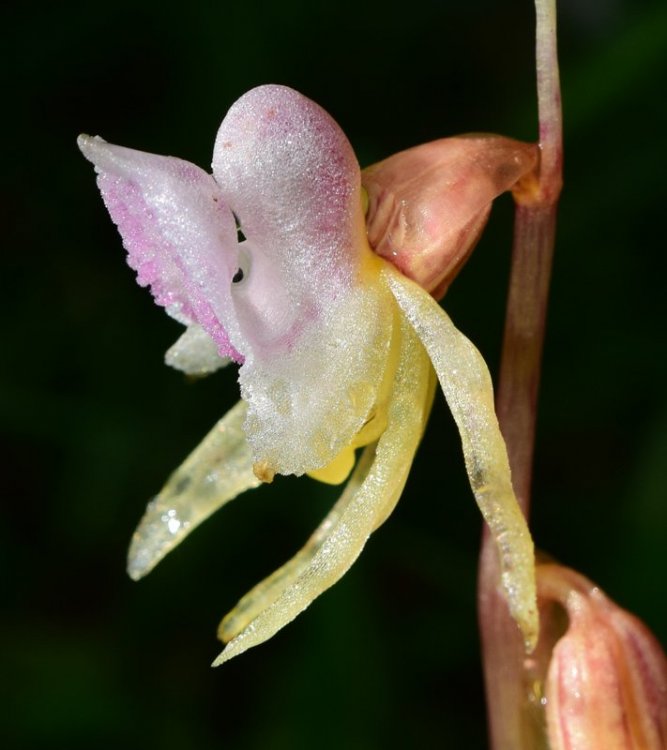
column 240, row 237
column 369, row 419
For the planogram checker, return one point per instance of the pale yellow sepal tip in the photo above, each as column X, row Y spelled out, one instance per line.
column 369, row 497
column 468, row 389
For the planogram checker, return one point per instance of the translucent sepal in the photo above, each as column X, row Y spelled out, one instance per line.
column 466, row 383
column 218, row 470
column 368, row 499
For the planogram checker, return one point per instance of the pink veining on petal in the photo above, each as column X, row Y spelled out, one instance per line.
column 157, row 262
column 133, row 217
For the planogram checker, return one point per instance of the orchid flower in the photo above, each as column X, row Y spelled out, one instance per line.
column 323, row 292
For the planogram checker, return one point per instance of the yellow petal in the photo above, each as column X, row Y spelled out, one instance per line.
column 467, row 386
column 338, row 470
column 369, row 498
column 219, row 469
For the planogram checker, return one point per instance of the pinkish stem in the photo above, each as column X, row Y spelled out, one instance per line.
column 512, row 724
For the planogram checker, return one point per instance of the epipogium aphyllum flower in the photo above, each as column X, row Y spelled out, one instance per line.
column 269, row 263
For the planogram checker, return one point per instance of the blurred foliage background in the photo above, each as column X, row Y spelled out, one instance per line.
column 92, row 422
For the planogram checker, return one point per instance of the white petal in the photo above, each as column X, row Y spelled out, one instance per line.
column 218, row 470
column 369, row 498
column 467, row 386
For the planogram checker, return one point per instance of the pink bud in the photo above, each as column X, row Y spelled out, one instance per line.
column 606, row 686
column 427, row 206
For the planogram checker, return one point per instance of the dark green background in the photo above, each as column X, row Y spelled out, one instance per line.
column 92, row 422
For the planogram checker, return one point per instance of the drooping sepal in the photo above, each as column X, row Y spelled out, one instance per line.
column 219, row 469
column 369, row 497
column 466, row 383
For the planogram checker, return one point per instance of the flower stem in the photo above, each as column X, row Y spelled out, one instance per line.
column 512, row 715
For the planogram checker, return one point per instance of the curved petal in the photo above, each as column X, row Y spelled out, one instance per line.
column 218, row 470
column 290, row 175
column 467, row 386
column 369, row 498
column 427, row 206
column 179, row 233
column 272, row 588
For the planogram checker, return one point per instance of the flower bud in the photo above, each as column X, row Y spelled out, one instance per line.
column 427, row 206
column 606, row 686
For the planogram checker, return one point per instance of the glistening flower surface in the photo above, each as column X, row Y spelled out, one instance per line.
column 337, row 349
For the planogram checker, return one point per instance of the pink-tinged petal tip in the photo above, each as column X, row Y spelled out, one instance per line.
column 289, row 173
column 178, row 232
